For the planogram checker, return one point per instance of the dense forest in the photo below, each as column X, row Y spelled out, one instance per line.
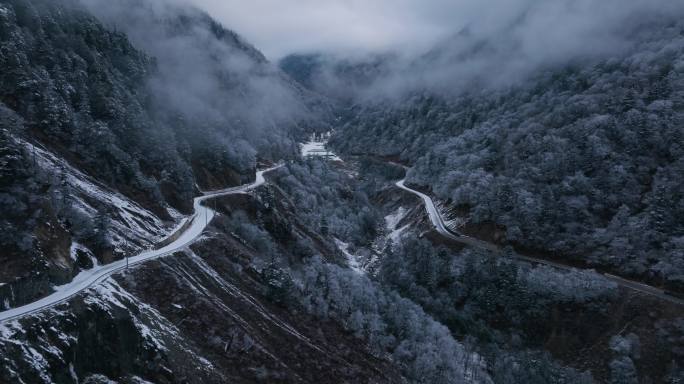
column 411, row 307
column 518, row 322
column 114, row 115
column 582, row 162
column 141, row 119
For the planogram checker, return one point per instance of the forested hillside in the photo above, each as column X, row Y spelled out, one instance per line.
column 584, row 161
column 145, row 131
column 339, row 78
column 149, row 118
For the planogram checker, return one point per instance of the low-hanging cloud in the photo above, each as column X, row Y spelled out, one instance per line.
column 199, row 73
column 505, row 43
column 436, row 44
column 280, row 27
column 444, row 43
column 208, row 79
column 505, row 46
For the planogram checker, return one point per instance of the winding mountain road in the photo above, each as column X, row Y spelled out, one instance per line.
column 86, row 279
column 438, row 222
column 440, row 226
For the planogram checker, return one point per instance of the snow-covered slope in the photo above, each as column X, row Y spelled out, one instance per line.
column 88, row 278
column 200, row 315
column 132, row 226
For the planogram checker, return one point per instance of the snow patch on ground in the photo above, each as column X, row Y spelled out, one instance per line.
column 396, row 234
column 37, row 361
column 352, row 260
column 392, row 222
column 97, row 378
column 130, row 224
column 9, row 329
column 104, row 295
column 393, row 219
column 177, row 216
column 30, row 356
column 72, row 372
column 138, row 380
column 76, row 247
column 110, row 293
column 63, row 337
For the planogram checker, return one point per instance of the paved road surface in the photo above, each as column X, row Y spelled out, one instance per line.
column 86, row 279
column 438, row 223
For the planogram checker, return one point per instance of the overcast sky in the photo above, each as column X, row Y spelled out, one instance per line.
column 280, row 27
column 529, row 33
